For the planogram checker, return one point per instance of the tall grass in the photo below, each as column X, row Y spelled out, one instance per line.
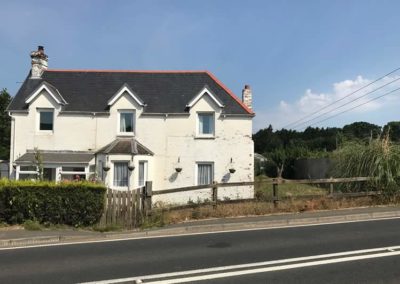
column 379, row 159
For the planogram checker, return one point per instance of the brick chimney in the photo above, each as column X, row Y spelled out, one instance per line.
column 247, row 97
column 39, row 62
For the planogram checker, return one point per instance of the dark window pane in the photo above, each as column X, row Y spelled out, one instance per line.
column 46, row 120
column 126, row 122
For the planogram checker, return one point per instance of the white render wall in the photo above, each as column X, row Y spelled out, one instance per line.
column 169, row 137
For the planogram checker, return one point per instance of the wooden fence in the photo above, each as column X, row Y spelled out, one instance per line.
column 122, row 208
column 126, row 208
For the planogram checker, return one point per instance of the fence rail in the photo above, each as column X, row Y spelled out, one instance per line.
column 125, row 208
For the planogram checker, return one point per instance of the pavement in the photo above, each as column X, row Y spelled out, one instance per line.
column 16, row 236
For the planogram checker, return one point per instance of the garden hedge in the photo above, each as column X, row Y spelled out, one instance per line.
column 70, row 203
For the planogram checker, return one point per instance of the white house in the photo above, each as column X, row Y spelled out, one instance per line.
column 175, row 128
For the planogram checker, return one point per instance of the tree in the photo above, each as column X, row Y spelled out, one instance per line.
column 361, row 130
column 392, row 129
column 5, row 125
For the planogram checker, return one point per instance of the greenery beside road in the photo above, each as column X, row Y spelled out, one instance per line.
column 283, row 147
column 69, row 203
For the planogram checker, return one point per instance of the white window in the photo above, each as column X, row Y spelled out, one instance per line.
column 142, row 173
column 205, row 173
column 206, row 124
column 127, row 122
column 27, row 172
column 73, row 173
column 120, row 174
column 46, row 120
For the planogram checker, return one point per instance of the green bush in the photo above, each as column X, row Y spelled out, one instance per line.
column 379, row 159
column 71, row 203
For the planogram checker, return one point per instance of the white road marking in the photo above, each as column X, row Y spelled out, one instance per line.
column 275, row 268
column 195, row 234
column 340, row 257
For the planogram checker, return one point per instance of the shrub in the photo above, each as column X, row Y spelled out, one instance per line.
column 379, row 159
column 71, row 203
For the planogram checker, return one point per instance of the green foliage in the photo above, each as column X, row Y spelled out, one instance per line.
column 393, row 130
column 5, row 125
column 32, row 225
column 70, row 203
column 379, row 159
column 361, row 130
column 155, row 219
column 283, row 160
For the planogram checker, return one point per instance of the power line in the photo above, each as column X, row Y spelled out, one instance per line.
column 346, row 103
column 352, row 93
column 347, row 110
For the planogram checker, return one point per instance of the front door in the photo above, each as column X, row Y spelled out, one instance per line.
column 49, row 174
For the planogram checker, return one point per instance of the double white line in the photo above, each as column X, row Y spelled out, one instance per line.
column 258, row 267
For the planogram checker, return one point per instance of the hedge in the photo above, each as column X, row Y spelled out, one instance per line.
column 70, row 203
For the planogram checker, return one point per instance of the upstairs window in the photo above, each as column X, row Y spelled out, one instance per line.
column 46, row 120
column 126, row 122
column 206, row 124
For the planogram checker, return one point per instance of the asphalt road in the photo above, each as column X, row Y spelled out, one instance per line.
column 131, row 258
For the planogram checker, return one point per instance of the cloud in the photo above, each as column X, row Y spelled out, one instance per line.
column 343, row 96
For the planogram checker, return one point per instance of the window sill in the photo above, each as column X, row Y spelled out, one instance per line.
column 204, row 137
column 125, row 134
column 45, row 132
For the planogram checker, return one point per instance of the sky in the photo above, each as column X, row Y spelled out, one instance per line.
column 298, row 56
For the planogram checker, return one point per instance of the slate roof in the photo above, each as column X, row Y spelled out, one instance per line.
column 125, row 146
column 161, row 91
column 75, row 157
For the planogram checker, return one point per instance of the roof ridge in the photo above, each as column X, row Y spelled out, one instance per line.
column 126, row 71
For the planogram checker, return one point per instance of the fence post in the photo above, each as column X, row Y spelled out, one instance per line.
column 138, row 208
column 331, row 188
column 215, row 194
column 275, row 193
column 149, row 194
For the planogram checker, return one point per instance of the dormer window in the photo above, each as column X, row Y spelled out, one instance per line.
column 46, row 120
column 205, row 124
column 127, row 122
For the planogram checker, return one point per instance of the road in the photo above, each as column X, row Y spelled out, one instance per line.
column 363, row 252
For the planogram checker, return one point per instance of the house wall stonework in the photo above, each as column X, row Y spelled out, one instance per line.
column 172, row 138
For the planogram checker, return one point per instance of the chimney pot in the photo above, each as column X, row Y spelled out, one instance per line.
column 39, row 62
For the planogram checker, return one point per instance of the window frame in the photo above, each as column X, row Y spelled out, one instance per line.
column 198, row 132
column 43, row 110
column 212, row 164
column 127, row 171
column 145, row 172
column 123, row 111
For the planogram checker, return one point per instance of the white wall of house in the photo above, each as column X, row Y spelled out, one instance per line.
column 169, row 137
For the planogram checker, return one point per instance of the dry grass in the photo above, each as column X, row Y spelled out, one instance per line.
column 254, row 208
column 293, row 198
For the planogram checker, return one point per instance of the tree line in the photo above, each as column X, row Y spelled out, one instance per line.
column 282, row 147
column 5, row 125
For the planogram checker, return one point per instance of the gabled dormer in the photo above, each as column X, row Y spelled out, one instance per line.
column 125, row 89
column 46, row 88
column 205, row 92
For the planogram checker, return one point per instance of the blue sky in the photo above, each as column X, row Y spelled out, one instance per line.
column 297, row 55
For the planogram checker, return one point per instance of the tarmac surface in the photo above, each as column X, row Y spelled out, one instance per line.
column 17, row 236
